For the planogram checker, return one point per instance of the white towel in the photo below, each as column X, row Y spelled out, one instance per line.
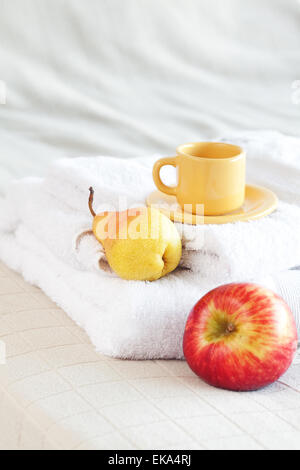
column 41, row 219
column 217, row 252
column 220, row 253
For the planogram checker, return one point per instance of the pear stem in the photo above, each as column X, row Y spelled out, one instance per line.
column 91, row 200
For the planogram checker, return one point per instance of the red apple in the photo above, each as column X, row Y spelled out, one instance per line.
column 240, row 337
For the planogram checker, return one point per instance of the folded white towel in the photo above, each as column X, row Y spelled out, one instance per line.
column 217, row 252
column 41, row 218
column 123, row 318
column 221, row 253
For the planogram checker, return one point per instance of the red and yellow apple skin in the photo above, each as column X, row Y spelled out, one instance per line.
column 240, row 337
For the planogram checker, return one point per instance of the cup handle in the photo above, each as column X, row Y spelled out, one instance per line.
column 156, row 175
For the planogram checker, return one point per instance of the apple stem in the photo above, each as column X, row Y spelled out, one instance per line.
column 230, row 328
column 91, row 200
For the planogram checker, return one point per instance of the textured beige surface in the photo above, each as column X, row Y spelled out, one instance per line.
column 56, row 392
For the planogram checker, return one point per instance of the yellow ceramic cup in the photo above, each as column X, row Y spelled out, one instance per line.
column 210, row 176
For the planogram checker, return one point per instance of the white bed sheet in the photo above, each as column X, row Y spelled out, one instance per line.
column 135, row 77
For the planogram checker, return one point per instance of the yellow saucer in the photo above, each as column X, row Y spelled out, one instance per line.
column 259, row 202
